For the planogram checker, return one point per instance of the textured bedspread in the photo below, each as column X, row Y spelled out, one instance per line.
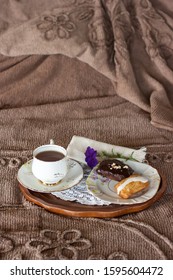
column 98, row 69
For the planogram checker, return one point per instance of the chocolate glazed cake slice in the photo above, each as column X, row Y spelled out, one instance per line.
column 114, row 169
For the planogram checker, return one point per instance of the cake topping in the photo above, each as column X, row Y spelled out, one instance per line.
column 114, row 169
column 125, row 166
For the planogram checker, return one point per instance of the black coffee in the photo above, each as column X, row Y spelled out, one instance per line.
column 50, row 156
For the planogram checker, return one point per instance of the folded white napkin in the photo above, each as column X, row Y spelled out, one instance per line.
column 78, row 145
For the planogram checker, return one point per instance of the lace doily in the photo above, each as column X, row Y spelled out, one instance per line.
column 79, row 193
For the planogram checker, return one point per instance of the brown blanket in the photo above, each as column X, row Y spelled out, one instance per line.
column 47, row 91
column 130, row 42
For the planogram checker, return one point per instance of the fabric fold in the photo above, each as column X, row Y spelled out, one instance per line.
column 129, row 42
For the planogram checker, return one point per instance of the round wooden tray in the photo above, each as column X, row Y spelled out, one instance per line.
column 68, row 208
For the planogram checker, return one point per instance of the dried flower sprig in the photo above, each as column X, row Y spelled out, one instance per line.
column 105, row 154
column 92, row 157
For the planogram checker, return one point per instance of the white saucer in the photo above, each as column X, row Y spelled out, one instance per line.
column 29, row 181
column 104, row 188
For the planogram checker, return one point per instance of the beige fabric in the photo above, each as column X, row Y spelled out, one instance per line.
column 46, row 97
column 78, row 145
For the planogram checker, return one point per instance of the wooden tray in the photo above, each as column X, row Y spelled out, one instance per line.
column 68, row 208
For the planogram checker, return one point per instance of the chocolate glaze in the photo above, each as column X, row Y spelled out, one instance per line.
column 114, row 169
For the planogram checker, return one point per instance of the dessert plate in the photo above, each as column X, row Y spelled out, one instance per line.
column 29, row 181
column 103, row 188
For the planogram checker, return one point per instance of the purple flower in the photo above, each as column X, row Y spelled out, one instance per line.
column 90, row 157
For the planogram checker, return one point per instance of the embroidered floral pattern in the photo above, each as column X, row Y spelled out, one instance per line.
column 134, row 18
column 62, row 25
column 6, row 244
column 56, row 25
column 161, row 43
column 121, row 23
column 122, row 32
column 58, row 245
column 113, row 256
column 84, row 14
column 160, row 157
column 2, row 161
column 100, row 33
column 67, row 244
column 13, row 162
column 168, row 158
column 157, row 43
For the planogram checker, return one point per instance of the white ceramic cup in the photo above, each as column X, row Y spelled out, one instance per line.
column 49, row 172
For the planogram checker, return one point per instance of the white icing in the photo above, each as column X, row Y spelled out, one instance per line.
column 129, row 180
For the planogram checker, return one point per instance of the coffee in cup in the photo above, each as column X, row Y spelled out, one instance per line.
column 49, row 163
column 50, row 156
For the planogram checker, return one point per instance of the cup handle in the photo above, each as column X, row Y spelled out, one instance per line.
column 52, row 142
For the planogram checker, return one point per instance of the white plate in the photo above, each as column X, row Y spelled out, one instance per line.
column 103, row 188
column 29, row 181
